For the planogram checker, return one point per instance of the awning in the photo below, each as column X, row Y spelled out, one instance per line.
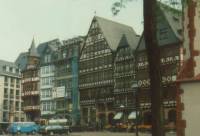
column 118, row 115
column 132, row 115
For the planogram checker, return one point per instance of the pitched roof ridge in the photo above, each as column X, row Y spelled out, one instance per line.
column 48, row 41
column 168, row 14
column 115, row 22
column 113, row 32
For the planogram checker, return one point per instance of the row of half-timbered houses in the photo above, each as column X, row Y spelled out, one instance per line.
column 113, row 57
column 97, row 72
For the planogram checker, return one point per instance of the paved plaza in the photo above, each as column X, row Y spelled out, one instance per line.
column 100, row 134
column 113, row 134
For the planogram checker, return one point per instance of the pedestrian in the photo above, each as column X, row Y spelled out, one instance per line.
column 101, row 125
column 97, row 126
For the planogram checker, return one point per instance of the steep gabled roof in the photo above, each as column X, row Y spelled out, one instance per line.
column 169, row 27
column 114, row 31
column 123, row 42
column 173, row 18
column 141, row 43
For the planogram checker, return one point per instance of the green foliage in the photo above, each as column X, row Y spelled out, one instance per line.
column 118, row 5
column 173, row 5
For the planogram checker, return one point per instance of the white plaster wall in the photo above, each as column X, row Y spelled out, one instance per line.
column 191, row 113
column 197, row 37
column 1, row 96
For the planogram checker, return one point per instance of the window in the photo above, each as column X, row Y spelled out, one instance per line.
column 11, row 104
column 17, row 81
column 163, row 33
column 17, row 106
column 17, row 92
column 47, row 70
column 17, row 70
column 48, row 93
column 5, row 116
column 64, row 55
column 11, row 93
column 12, row 81
column 42, row 81
column 48, row 106
column 5, row 104
column 5, row 93
column 43, row 93
column 51, row 68
column 4, row 68
column 44, row 106
column 10, row 69
column 6, row 79
column 47, row 58
column 42, row 70
column 51, row 81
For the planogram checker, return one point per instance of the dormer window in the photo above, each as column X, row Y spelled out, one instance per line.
column 11, row 69
column 4, row 68
column 47, row 58
column 64, row 54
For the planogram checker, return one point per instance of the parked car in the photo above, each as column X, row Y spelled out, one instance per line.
column 54, row 129
column 23, row 127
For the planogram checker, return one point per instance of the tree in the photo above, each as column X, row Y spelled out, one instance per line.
column 154, row 66
column 150, row 35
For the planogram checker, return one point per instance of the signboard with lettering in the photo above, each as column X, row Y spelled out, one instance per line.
column 59, row 92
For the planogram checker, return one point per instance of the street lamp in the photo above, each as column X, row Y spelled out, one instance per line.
column 135, row 91
column 122, row 108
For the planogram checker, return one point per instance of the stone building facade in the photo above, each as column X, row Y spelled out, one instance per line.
column 47, row 75
column 188, row 82
column 10, row 98
column 66, row 94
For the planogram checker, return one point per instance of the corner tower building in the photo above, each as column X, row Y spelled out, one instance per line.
column 30, row 85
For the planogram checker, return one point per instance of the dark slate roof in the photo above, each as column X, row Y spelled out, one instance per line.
column 33, row 51
column 169, row 27
column 22, row 60
column 114, row 31
column 123, row 42
column 42, row 46
column 174, row 20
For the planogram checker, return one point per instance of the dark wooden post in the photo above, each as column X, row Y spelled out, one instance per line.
column 153, row 54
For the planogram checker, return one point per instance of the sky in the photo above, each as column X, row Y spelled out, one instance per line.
column 21, row 20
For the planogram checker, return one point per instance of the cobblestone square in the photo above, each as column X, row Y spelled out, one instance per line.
column 114, row 134
column 105, row 133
